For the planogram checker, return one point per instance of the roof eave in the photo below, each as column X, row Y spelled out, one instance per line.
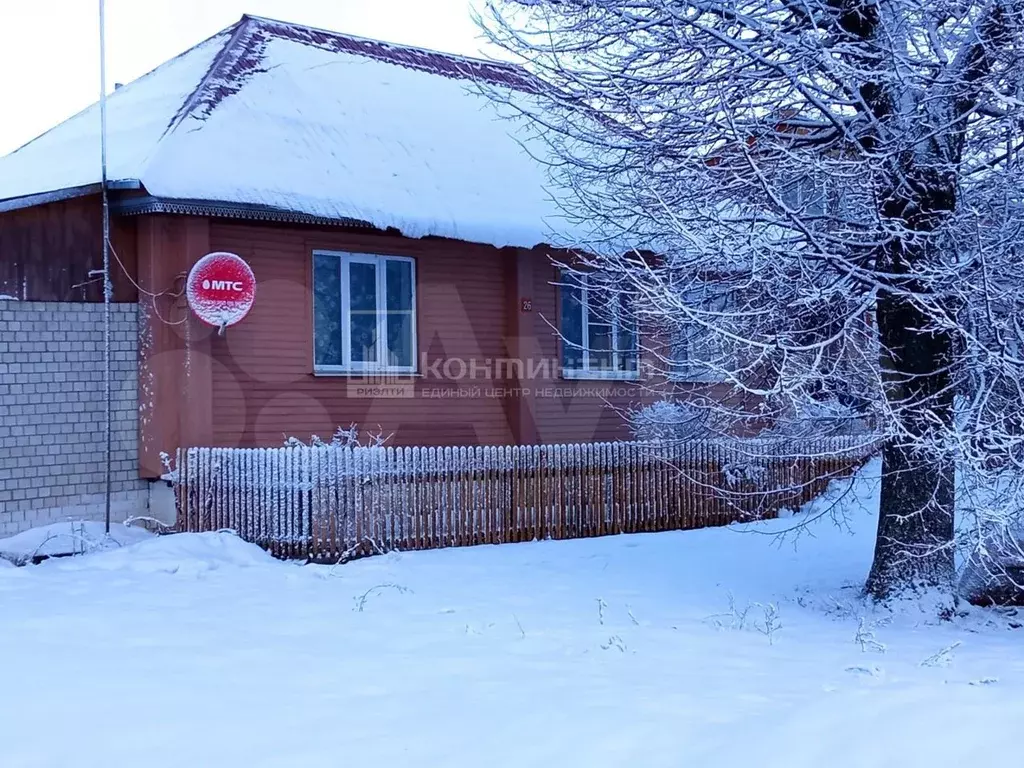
column 138, row 206
column 59, row 195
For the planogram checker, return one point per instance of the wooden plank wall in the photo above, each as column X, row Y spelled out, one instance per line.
column 47, row 252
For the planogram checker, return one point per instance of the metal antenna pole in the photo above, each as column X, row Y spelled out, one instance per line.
column 108, row 288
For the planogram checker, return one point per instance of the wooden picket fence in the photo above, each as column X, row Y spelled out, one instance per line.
column 332, row 503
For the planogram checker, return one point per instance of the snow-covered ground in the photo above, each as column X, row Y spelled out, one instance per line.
column 67, row 538
column 200, row 650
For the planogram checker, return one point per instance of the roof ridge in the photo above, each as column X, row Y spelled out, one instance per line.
column 510, row 65
column 236, row 31
column 242, row 57
column 441, row 63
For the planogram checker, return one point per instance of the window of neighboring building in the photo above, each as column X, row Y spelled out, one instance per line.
column 699, row 352
column 599, row 338
column 364, row 313
column 806, row 195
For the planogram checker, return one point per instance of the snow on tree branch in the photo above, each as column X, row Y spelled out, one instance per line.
column 808, row 201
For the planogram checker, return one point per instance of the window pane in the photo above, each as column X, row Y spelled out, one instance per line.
column 698, row 349
column 681, row 354
column 626, row 341
column 572, row 327
column 598, row 311
column 804, row 194
column 791, row 195
column 399, row 291
column 600, row 336
column 326, row 310
column 399, row 285
column 400, row 339
column 363, row 312
column 814, row 197
column 599, row 346
column 626, row 345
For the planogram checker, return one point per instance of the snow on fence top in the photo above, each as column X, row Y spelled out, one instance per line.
column 324, row 463
column 314, row 122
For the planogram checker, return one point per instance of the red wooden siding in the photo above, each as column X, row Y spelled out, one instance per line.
column 175, row 408
column 255, row 386
column 263, row 383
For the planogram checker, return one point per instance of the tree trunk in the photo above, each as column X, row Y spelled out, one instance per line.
column 914, row 547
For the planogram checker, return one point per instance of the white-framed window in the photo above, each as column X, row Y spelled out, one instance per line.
column 806, row 194
column 364, row 313
column 698, row 352
column 599, row 336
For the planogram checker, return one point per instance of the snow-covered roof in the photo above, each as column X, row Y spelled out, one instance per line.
column 304, row 120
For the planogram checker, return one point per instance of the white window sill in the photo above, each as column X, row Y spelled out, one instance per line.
column 383, row 373
column 578, row 375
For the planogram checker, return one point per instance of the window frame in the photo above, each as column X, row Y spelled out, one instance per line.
column 360, row 368
column 686, row 371
column 582, row 284
column 811, row 198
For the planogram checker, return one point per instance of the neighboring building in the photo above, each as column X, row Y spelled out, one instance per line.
column 398, row 230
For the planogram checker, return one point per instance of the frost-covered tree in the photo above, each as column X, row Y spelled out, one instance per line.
column 833, row 191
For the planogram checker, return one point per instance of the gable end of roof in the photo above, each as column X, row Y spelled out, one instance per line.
column 244, row 54
column 410, row 57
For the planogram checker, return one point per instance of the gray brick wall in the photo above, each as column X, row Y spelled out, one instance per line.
column 51, row 413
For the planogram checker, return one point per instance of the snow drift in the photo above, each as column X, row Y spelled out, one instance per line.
column 184, row 553
column 648, row 650
column 67, row 538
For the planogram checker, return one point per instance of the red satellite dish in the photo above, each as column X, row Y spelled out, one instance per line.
column 221, row 289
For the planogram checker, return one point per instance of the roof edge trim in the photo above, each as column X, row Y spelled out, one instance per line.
column 59, row 195
column 138, row 206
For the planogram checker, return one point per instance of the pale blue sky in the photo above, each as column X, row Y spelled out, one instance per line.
column 49, row 61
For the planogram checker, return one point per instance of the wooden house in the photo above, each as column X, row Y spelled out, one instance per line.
column 399, row 231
